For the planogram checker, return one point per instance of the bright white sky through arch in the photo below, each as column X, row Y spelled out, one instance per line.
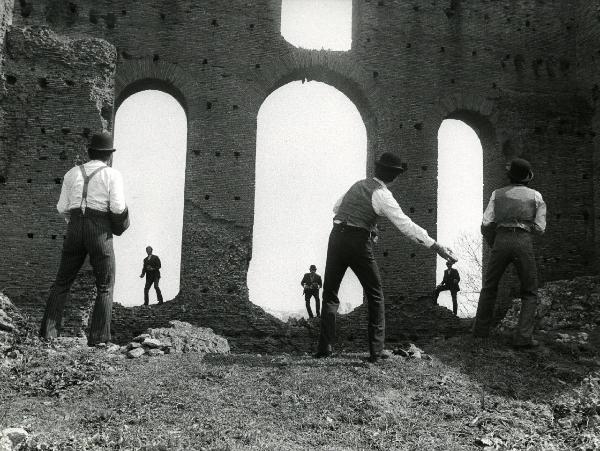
column 311, row 146
column 150, row 138
column 460, row 200
column 317, row 24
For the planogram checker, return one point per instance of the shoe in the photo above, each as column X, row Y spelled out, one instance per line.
column 383, row 355
column 323, row 354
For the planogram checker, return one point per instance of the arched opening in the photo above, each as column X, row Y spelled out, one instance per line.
column 460, row 197
column 311, row 146
column 150, row 138
column 317, row 24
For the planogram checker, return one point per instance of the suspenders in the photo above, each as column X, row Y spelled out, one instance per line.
column 86, row 181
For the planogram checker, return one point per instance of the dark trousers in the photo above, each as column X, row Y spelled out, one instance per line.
column 307, row 295
column 152, row 279
column 453, row 293
column 89, row 234
column 510, row 246
column 351, row 247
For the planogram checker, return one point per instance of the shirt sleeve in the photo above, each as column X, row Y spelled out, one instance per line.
column 540, row 214
column 116, row 192
column 488, row 214
column 63, row 201
column 384, row 204
column 336, row 207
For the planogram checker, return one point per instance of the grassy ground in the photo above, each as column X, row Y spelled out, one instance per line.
column 468, row 396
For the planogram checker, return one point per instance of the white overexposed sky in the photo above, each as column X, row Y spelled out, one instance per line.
column 317, row 24
column 311, row 146
column 150, row 138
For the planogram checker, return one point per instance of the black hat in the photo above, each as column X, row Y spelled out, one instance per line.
column 389, row 160
column 102, row 142
column 313, row 267
column 519, row 171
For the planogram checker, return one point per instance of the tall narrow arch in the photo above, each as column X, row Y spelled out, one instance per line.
column 311, row 146
column 150, row 138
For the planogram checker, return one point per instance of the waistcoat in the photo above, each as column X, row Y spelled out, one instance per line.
column 514, row 205
column 356, row 208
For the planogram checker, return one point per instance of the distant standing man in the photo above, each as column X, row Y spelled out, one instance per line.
column 514, row 212
column 450, row 282
column 312, row 284
column 151, row 269
column 88, row 193
column 351, row 246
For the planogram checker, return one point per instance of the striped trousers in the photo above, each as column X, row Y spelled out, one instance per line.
column 86, row 234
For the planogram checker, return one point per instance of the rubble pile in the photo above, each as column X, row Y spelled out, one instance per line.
column 568, row 310
column 179, row 338
column 11, row 323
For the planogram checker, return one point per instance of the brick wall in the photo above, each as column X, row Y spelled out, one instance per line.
column 508, row 68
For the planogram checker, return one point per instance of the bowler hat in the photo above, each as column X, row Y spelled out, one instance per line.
column 519, row 171
column 313, row 267
column 102, row 142
column 389, row 160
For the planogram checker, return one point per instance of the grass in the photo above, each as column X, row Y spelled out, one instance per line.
column 468, row 396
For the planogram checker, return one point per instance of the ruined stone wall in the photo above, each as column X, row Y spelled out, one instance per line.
column 507, row 68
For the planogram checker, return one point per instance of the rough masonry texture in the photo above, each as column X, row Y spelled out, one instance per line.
column 523, row 73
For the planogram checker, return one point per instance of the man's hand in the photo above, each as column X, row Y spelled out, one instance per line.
column 141, row 276
column 444, row 252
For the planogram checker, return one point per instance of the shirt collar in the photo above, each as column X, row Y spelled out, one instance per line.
column 380, row 182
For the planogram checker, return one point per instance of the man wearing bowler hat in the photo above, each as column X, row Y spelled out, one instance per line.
column 311, row 282
column 513, row 214
column 351, row 246
column 88, row 193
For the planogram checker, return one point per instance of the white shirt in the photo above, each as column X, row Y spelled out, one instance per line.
column 106, row 187
column 539, row 222
column 384, row 204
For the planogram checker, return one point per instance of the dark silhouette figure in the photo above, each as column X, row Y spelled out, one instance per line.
column 450, row 282
column 312, row 284
column 151, row 269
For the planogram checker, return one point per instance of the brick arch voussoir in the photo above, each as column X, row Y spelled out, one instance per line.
column 137, row 75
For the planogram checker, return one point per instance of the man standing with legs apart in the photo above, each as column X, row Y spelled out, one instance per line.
column 449, row 282
column 89, row 193
column 151, row 268
column 513, row 214
column 312, row 284
column 351, row 246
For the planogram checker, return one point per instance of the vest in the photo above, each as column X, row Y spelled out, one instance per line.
column 356, row 208
column 514, row 205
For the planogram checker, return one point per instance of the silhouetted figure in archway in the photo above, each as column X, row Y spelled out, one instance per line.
column 513, row 214
column 450, row 282
column 311, row 282
column 90, row 194
column 351, row 246
column 151, row 269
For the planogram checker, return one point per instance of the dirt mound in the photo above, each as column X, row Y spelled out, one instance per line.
column 12, row 323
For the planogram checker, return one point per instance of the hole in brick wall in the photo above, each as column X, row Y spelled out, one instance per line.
column 65, row 130
column 385, row 253
column 412, row 209
column 29, row 180
column 404, row 166
column 217, row 154
column 123, row 12
column 236, row 154
column 236, row 197
column 474, row 53
column 93, row 16
column 110, row 20
column 11, row 79
column 585, row 214
column 460, row 195
column 424, row 168
column 584, row 176
column 58, row 180
column 162, row 16
column 408, row 45
column 494, row 85
column 204, row 290
column 43, row 131
column 206, row 197
column 53, row 237
column 125, row 55
column 64, row 237
column 412, row 255
column 442, row 49
column 418, row 126
column 208, row 105
column 86, row 132
column 317, row 25
column 43, row 158
column 214, row 23
column 257, row 66
column 30, row 235
column 69, row 82
column 155, row 57
column 415, row 8
column 26, row 8
column 375, row 74
column 452, row 81
column 42, row 82
column 251, row 26
column 150, row 133
column 204, row 61
column 73, row 8
column 106, row 112
column 235, row 107
column 2, row 179
column 430, row 210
